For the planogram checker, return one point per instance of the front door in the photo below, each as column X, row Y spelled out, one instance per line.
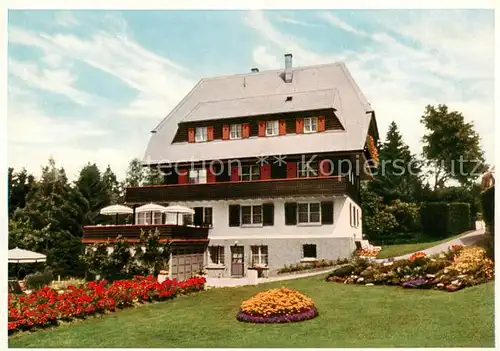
column 237, row 253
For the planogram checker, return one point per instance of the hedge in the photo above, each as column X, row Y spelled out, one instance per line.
column 442, row 219
column 488, row 206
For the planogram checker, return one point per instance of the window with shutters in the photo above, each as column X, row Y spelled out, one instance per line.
column 307, row 169
column 272, row 128
column 235, row 132
column 309, row 251
column 250, row 173
column 251, row 215
column 310, row 125
column 201, row 134
column 216, row 254
column 197, row 176
column 259, row 256
column 309, row 212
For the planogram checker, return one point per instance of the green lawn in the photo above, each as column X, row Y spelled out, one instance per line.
column 350, row 316
column 403, row 249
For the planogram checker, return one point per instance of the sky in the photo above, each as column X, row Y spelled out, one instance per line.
column 89, row 86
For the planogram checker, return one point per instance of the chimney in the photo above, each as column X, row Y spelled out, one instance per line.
column 255, row 70
column 288, row 68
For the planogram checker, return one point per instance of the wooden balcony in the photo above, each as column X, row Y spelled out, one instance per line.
column 269, row 188
column 131, row 232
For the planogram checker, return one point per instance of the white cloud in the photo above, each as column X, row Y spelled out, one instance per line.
column 65, row 19
column 58, row 81
column 264, row 59
column 334, row 20
column 291, row 20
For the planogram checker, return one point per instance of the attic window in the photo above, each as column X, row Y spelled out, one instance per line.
column 289, row 98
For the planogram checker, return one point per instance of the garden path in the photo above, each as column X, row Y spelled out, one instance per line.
column 467, row 239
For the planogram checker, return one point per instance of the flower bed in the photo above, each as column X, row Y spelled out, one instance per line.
column 306, row 266
column 46, row 307
column 455, row 269
column 277, row 306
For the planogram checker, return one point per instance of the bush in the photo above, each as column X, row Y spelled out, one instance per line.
column 442, row 219
column 343, row 271
column 460, row 218
column 407, row 216
column 39, row 279
column 488, row 207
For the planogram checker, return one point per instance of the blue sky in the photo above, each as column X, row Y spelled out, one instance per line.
column 88, row 86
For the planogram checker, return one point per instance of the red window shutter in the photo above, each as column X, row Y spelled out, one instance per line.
column 225, row 132
column 265, row 171
column 321, row 124
column 191, row 135
column 245, row 130
column 210, row 133
column 262, row 128
column 291, row 169
column 235, row 174
column 183, row 176
column 282, row 127
column 299, row 125
column 324, row 168
column 210, row 175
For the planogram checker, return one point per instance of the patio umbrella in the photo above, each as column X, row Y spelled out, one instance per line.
column 116, row 210
column 177, row 210
column 151, row 207
column 18, row 255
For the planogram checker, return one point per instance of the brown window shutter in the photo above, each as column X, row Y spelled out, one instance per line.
column 327, row 212
column 191, row 135
column 324, row 168
column 321, row 124
column 210, row 133
column 225, row 132
column 234, row 215
column 282, row 127
column 291, row 169
column 290, row 213
column 245, row 130
column 262, row 128
column 299, row 125
column 268, row 214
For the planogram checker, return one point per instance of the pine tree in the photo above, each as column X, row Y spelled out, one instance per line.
column 93, row 189
column 19, row 185
column 153, row 176
column 398, row 173
column 135, row 174
column 112, row 186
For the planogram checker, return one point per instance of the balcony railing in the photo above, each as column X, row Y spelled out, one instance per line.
column 335, row 185
column 131, row 232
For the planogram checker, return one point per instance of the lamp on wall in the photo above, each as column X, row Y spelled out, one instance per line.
column 235, row 242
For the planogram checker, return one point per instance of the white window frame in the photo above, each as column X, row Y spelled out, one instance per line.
column 258, row 257
column 272, row 128
column 201, row 134
column 218, row 250
column 197, row 176
column 235, row 131
column 309, row 213
column 145, row 217
column 252, row 172
column 307, row 169
column 254, row 214
column 311, row 125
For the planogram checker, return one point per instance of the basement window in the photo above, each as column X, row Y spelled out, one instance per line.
column 289, row 98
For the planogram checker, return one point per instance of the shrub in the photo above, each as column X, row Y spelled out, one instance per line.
column 343, row 271
column 488, row 207
column 442, row 219
column 407, row 216
column 39, row 279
